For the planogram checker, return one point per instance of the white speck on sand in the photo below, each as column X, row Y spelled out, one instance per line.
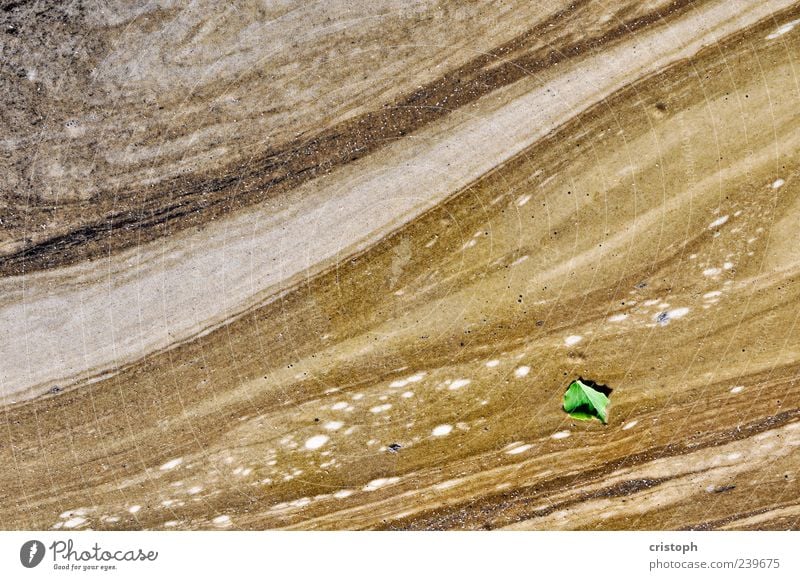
column 339, row 406
column 617, row 317
column 222, row 521
column 519, row 449
column 458, row 383
column 172, row 464
column 74, row 522
column 778, row 182
column 718, row 222
column 560, row 435
column 75, row 512
column 343, row 493
column 316, row 441
column 381, row 408
column 380, row 482
column 523, row 200
column 629, row 425
column 441, row 430
column 711, row 272
column 572, row 340
column 522, row 372
column 678, row 312
column 333, row 425
column 134, row 509
column 737, row 389
column 780, row 32
column 492, row 363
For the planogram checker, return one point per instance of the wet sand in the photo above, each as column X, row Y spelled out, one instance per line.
column 365, row 316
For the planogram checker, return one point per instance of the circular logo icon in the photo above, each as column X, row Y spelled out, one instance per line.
column 31, row 553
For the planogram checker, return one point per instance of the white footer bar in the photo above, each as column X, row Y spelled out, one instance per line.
column 389, row 555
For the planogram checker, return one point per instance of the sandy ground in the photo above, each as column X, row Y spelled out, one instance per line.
column 112, row 312
column 622, row 211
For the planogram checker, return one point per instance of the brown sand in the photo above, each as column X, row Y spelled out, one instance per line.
column 444, row 276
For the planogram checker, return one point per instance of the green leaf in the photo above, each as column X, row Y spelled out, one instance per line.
column 585, row 402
